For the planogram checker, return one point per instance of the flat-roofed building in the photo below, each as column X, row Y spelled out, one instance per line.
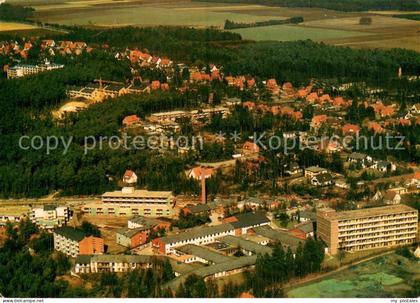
column 133, row 202
column 370, row 228
column 50, row 216
column 238, row 225
column 22, row 70
column 124, row 263
column 72, row 242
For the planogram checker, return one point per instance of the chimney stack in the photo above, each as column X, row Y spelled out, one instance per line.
column 203, row 186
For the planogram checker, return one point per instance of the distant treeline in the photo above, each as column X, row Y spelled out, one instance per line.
column 14, row 12
column 342, row 5
column 235, row 25
column 408, row 16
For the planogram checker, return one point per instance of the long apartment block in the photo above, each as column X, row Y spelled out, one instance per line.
column 133, row 202
column 370, row 228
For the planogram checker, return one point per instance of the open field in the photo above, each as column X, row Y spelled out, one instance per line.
column 14, row 26
column 294, row 32
column 332, row 27
column 388, row 276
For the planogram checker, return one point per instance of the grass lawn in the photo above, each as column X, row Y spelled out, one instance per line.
column 293, row 32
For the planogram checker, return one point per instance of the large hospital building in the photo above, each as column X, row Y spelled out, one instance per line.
column 370, row 228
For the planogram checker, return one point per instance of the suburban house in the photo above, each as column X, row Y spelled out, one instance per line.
column 72, row 242
column 361, row 159
column 293, row 168
column 130, row 177
column 350, row 129
column 250, row 148
column 391, row 197
column 323, row 179
column 131, row 121
column 312, row 171
column 384, row 166
column 199, row 171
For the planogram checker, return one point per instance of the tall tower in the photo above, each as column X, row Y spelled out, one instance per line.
column 203, row 185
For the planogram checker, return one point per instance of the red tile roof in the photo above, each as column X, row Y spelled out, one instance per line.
column 130, row 120
column 350, row 129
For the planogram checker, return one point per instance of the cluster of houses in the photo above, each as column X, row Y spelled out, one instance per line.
column 65, row 48
column 20, row 50
column 144, row 59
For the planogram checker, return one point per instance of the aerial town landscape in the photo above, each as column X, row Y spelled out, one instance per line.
column 209, row 149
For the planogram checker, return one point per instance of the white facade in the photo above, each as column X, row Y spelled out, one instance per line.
column 49, row 216
column 65, row 245
column 203, row 240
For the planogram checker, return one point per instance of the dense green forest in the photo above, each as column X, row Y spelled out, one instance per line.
column 10, row 12
column 234, row 25
column 408, row 16
column 339, row 5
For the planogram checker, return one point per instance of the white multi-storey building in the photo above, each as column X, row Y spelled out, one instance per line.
column 50, row 216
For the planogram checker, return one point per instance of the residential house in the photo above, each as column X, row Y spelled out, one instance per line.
column 318, row 120
column 293, row 168
column 131, row 121
column 250, row 147
column 198, row 172
column 323, row 179
column 130, row 177
column 312, row 171
column 384, row 166
column 350, row 129
column 360, row 159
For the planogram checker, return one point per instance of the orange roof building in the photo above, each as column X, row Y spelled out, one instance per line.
column 350, row 129
column 312, row 97
column 250, row 147
column 131, row 120
column 246, row 295
column 318, row 120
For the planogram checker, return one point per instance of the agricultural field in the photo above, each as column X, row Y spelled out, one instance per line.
column 294, row 32
column 388, row 276
column 14, row 26
column 332, row 27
